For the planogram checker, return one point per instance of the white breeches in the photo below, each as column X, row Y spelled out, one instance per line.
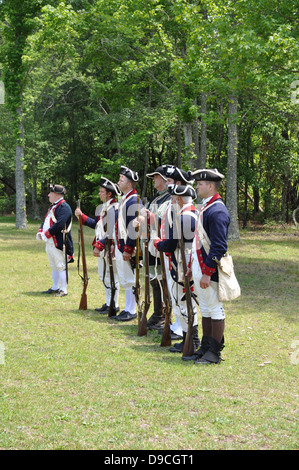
column 209, row 305
column 179, row 306
column 104, row 275
column 126, row 276
column 56, row 257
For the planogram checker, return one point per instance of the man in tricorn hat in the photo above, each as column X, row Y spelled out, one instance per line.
column 212, row 225
column 183, row 222
column 156, row 321
column 174, row 175
column 178, row 177
column 126, row 241
column 56, row 233
column 103, row 224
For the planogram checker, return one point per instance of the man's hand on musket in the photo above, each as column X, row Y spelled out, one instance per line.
column 112, row 250
column 189, row 273
column 96, row 252
column 205, row 281
column 126, row 256
column 78, row 212
column 138, row 221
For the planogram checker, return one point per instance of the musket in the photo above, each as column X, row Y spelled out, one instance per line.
column 137, row 268
column 112, row 310
column 142, row 325
column 188, row 349
column 83, row 302
column 166, row 336
column 65, row 253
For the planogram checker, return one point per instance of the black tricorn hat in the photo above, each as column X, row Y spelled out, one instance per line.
column 158, row 171
column 109, row 186
column 180, row 190
column 130, row 174
column 207, row 175
column 177, row 174
column 57, row 188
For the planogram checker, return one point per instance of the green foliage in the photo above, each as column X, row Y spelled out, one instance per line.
column 107, row 83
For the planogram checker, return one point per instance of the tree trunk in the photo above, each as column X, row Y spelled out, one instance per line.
column 179, row 143
column 187, row 126
column 145, row 171
column 21, row 218
column 35, row 205
column 285, row 197
column 220, row 135
column 201, row 161
column 195, row 132
column 232, row 151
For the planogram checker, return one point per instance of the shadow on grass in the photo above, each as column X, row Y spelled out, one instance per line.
column 143, row 344
column 35, row 294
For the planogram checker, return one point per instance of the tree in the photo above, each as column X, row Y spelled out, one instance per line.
column 19, row 20
column 15, row 28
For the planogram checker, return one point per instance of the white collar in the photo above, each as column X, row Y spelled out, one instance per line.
column 205, row 201
column 56, row 202
column 184, row 206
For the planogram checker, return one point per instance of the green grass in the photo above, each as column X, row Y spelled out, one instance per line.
column 75, row 379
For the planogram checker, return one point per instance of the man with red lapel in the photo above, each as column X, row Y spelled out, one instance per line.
column 56, row 232
column 184, row 216
column 104, row 224
column 126, row 241
column 210, row 242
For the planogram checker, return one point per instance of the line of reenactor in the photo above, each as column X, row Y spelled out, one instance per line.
column 164, row 238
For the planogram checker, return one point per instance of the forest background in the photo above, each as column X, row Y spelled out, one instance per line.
column 89, row 85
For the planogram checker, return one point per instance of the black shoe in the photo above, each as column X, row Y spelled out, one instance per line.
column 175, row 336
column 50, row 291
column 195, row 357
column 122, row 313
column 152, row 320
column 103, row 309
column 125, row 316
column 61, row 293
column 177, row 347
column 213, row 355
column 157, row 326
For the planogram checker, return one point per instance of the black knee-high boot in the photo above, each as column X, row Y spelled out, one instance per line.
column 157, row 319
column 213, row 354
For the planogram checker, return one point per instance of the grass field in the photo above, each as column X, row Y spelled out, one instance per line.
column 75, row 379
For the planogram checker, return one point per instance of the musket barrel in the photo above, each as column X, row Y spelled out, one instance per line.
column 83, row 301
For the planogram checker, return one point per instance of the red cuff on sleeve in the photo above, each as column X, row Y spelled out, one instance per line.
column 84, row 218
column 98, row 245
column 129, row 249
column 158, row 240
column 47, row 234
column 207, row 270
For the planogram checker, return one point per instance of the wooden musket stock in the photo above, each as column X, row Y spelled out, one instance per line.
column 112, row 279
column 83, row 302
column 188, row 345
column 142, row 325
column 137, row 268
column 166, row 336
